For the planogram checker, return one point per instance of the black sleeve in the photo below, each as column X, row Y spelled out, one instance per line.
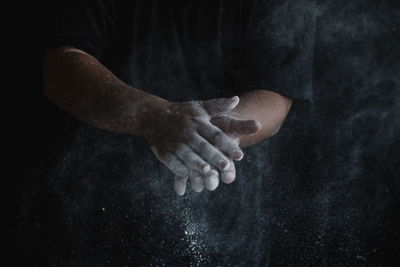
column 277, row 47
column 83, row 24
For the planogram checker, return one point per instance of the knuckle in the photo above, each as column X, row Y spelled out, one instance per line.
column 197, row 120
column 217, row 136
column 188, row 155
column 203, row 147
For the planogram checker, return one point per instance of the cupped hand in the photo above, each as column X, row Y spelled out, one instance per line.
column 182, row 137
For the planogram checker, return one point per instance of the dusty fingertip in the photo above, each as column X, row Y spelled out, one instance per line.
column 197, row 188
column 180, row 193
column 205, row 168
column 228, row 177
column 235, row 101
column 235, row 98
column 212, row 181
column 197, row 184
column 212, row 184
column 179, row 187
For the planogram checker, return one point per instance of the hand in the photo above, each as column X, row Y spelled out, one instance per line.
column 183, row 138
column 235, row 129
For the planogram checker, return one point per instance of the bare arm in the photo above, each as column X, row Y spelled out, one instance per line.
column 180, row 133
column 266, row 107
column 82, row 86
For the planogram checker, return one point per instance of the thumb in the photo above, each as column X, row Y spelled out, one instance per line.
column 236, row 127
column 220, row 105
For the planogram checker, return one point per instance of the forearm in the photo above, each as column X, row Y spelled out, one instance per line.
column 81, row 85
column 268, row 108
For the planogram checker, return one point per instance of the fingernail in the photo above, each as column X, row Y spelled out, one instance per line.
column 223, row 164
column 257, row 126
column 237, row 154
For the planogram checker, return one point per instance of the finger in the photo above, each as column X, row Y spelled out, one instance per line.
column 236, row 127
column 208, row 152
column 180, row 185
column 173, row 163
column 219, row 105
column 191, row 159
column 220, row 140
column 211, row 180
column 229, row 175
column 197, row 182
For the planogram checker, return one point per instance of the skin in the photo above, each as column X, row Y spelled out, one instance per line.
column 196, row 140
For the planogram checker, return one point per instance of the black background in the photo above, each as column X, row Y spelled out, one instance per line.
column 342, row 153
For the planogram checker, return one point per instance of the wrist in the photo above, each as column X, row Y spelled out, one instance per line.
column 148, row 112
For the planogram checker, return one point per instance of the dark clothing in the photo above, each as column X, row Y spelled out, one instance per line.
column 183, row 50
column 178, row 50
column 323, row 192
